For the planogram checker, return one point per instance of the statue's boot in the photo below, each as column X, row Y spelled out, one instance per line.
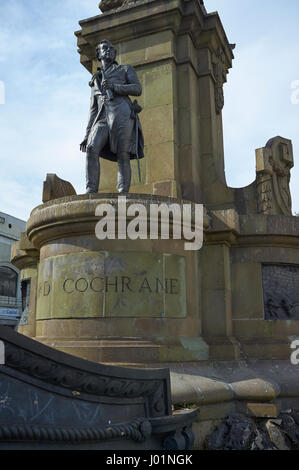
column 92, row 172
column 124, row 173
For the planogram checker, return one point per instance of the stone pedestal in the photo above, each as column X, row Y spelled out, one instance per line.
column 26, row 257
column 119, row 301
column 151, row 301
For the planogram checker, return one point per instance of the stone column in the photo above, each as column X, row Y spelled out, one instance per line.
column 25, row 257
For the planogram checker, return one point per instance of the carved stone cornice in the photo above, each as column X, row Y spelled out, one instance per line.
column 76, row 215
column 23, row 253
column 180, row 16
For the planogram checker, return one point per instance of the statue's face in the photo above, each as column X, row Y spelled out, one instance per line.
column 106, row 52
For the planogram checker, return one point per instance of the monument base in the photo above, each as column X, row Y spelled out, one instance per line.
column 150, row 303
column 115, row 300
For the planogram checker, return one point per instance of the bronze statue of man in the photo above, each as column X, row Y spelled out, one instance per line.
column 114, row 131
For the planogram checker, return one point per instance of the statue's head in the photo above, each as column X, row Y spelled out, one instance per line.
column 105, row 50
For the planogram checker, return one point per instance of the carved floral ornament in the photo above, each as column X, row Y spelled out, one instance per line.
column 220, row 72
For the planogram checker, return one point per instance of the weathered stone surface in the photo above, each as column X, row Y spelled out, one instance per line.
column 290, row 427
column 275, row 435
column 245, row 305
column 142, row 295
column 263, row 410
column 236, row 433
column 274, row 163
column 270, row 192
column 240, row 433
column 55, row 187
column 106, row 5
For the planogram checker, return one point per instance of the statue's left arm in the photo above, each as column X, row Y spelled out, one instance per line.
column 132, row 87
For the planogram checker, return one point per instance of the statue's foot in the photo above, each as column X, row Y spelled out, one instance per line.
column 91, row 191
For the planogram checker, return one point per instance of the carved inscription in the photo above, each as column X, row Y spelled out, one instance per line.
column 120, row 285
column 281, row 291
column 95, row 285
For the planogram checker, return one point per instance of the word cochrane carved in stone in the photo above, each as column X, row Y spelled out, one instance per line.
column 121, row 284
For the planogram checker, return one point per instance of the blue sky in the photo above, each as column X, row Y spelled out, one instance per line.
column 46, row 94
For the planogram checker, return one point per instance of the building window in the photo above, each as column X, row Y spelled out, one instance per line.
column 8, row 282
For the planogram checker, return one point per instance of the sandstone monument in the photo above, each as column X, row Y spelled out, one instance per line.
column 226, row 325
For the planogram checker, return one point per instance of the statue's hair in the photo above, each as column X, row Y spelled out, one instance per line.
column 109, row 44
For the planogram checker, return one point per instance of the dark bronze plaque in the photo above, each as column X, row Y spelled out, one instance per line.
column 281, row 291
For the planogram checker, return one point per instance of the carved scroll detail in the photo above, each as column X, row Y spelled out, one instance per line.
column 273, row 166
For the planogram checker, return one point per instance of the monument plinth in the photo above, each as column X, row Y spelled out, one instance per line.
column 104, row 300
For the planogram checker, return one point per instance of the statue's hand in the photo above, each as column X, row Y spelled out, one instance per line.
column 83, row 146
column 107, row 85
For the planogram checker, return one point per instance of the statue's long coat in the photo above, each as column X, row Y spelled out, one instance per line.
column 118, row 111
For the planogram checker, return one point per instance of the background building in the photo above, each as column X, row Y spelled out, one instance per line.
column 10, row 289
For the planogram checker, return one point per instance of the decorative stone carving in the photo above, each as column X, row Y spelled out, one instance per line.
column 55, row 188
column 106, row 5
column 220, row 71
column 273, row 165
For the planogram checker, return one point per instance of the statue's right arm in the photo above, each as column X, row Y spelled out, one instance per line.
column 92, row 115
